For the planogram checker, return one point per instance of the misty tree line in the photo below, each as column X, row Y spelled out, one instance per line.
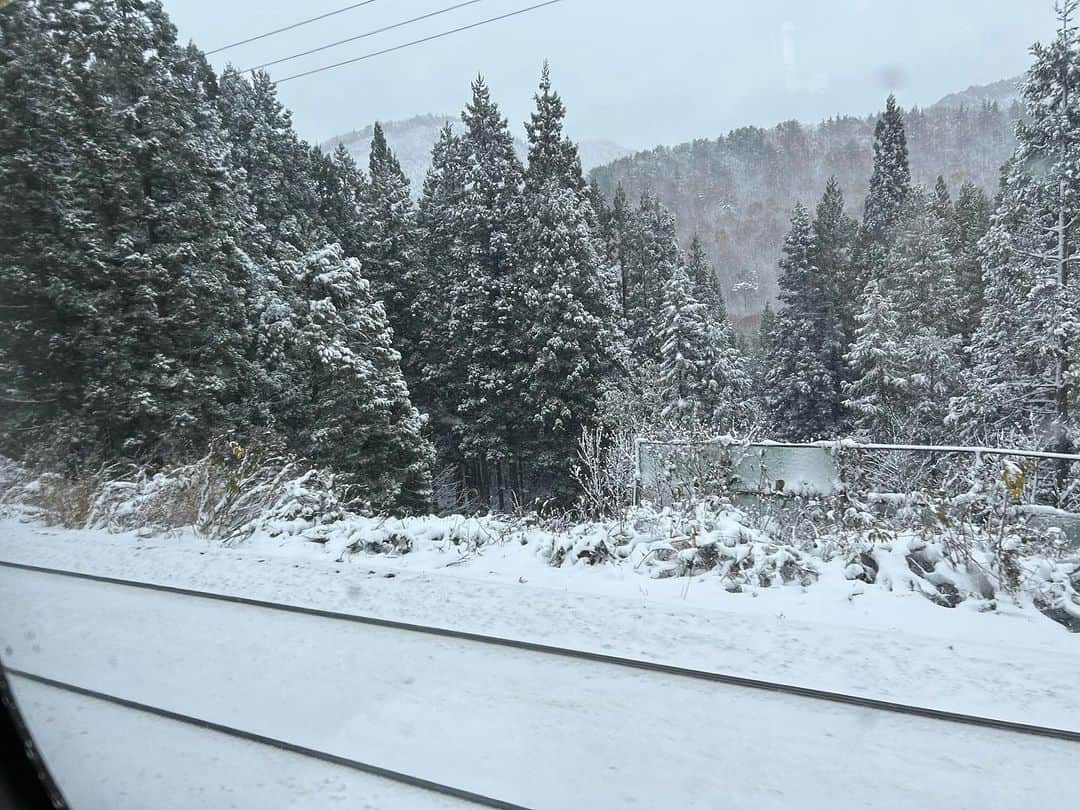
column 736, row 191
column 968, row 320
column 178, row 265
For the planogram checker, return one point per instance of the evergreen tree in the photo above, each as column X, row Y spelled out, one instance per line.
column 706, row 289
column 170, row 275
column 801, row 381
column 1024, row 351
column 759, row 358
column 51, row 278
column 618, row 239
column 485, row 328
column 702, row 378
column 571, row 340
column 390, row 251
column 435, row 373
column 280, row 178
column 890, row 187
column 876, row 391
column 351, row 403
column 972, row 218
column 342, row 193
column 834, row 243
column 650, row 257
column 920, row 278
column 890, row 182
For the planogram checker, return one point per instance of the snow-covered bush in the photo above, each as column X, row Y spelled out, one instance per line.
column 231, row 492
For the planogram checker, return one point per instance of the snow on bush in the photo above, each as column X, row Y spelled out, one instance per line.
column 230, row 493
column 919, row 545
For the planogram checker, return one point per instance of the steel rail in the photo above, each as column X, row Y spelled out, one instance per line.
column 273, row 742
column 582, row 655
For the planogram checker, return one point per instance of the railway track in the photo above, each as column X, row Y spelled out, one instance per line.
column 1003, row 726
column 272, row 742
column 582, row 655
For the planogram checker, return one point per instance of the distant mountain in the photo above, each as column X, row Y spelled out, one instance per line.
column 737, row 191
column 1002, row 93
column 412, row 139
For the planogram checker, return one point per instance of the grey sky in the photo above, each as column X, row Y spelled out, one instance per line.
column 639, row 73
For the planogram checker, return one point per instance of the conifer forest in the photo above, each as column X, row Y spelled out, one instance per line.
column 178, row 265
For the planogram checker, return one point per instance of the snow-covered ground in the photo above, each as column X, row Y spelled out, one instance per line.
column 106, row 757
column 548, row 733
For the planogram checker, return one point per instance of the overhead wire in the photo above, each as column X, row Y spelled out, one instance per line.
column 290, row 27
column 420, row 41
column 366, row 34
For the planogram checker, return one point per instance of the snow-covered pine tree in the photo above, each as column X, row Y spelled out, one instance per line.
column 878, row 385
column 390, row 251
column 890, row 181
column 801, row 384
column 706, row 288
column 651, row 256
column 618, row 241
column 833, row 247
column 351, row 402
column 280, row 178
column 437, row 375
column 571, row 336
column 51, row 278
column 331, row 381
column 920, row 279
column 703, row 381
column 758, row 358
column 485, row 328
column 972, row 218
column 341, row 190
column 1024, row 353
column 172, row 329
column 890, row 186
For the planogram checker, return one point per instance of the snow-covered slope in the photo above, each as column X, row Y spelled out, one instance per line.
column 412, row 139
column 1003, row 92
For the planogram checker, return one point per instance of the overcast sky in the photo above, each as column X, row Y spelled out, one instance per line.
column 635, row 72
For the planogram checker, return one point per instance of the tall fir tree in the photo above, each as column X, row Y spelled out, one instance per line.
column 877, row 388
column 703, row 381
column 351, row 403
column 484, row 330
column 920, row 279
column 890, row 181
column 571, row 338
column 435, row 373
column 972, row 221
column 801, row 381
column 1024, row 352
column 833, row 255
column 651, row 257
column 390, row 251
column 173, row 367
column 706, row 287
column 52, row 277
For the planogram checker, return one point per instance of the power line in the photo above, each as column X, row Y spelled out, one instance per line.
column 417, row 41
column 290, row 27
column 365, row 34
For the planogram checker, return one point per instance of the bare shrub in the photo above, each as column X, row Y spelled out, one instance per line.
column 605, row 472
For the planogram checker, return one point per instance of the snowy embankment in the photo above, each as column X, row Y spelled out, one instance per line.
column 757, row 609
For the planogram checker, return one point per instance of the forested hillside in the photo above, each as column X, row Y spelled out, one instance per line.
column 736, row 192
